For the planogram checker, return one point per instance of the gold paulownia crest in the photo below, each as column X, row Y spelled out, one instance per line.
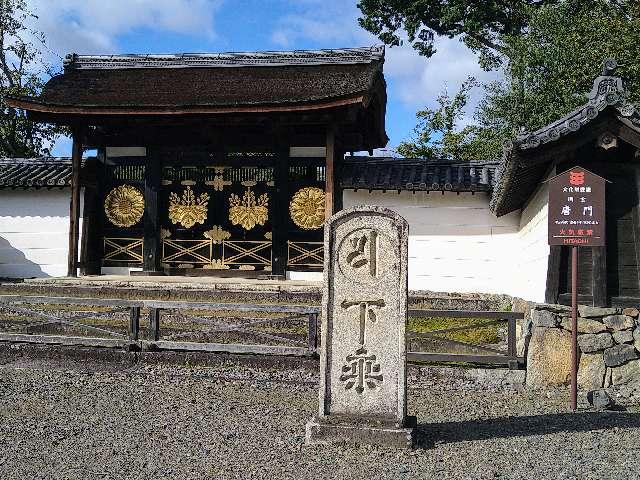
column 124, row 206
column 248, row 212
column 217, row 234
column 307, row 208
column 216, row 264
column 188, row 210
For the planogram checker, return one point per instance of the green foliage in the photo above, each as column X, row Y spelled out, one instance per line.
column 438, row 135
column 552, row 66
column 548, row 65
column 22, row 72
column 481, row 25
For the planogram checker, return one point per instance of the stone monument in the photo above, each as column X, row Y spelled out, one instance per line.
column 364, row 315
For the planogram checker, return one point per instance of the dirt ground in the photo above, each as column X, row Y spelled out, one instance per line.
column 68, row 419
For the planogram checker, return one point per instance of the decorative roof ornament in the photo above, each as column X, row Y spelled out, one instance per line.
column 307, row 208
column 607, row 91
column 124, row 206
column 248, row 212
column 188, row 210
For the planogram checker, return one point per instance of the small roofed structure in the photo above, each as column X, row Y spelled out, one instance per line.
column 603, row 135
column 225, row 161
column 34, row 216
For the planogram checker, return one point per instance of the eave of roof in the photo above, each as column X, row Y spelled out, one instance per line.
column 194, row 84
column 33, row 104
column 518, row 172
column 416, row 174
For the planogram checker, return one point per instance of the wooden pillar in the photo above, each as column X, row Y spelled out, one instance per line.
column 280, row 211
column 599, row 279
column 553, row 274
column 152, row 246
column 337, row 172
column 90, row 247
column 74, row 207
column 330, row 171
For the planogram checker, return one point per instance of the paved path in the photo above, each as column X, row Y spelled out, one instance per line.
column 85, row 421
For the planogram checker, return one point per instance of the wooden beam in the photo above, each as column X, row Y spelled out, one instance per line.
column 90, row 247
column 280, row 208
column 329, row 172
column 74, row 207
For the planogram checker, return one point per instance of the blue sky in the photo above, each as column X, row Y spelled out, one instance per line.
column 170, row 26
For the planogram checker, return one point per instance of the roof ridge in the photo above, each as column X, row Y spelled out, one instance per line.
column 358, row 158
column 354, row 55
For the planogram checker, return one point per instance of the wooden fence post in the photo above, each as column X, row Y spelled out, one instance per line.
column 154, row 324
column 134, row 323
column 313, row 332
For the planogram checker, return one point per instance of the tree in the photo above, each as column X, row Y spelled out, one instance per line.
column 551, row 67
column 482, row 25
column 438, row 135
column 22, row 72
column 548, row 68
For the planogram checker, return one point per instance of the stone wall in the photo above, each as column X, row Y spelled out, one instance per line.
column 608, row 342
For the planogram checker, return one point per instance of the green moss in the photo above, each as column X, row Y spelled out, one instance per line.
column 476, row 335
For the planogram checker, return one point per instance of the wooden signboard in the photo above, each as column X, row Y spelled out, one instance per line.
column 577, row 209
column 576, row 219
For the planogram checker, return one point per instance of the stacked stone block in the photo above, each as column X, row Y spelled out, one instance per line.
column 608, row 341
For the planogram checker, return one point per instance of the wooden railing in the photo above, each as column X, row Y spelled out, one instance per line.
column 152, row 325
column 502, row 354
column 189, row 326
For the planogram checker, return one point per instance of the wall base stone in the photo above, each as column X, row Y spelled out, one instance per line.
column 549, row 357
column 591, row 371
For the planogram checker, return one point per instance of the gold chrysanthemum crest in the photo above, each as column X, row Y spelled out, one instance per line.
column 248, row 212
column 307, row 208
column 188, row 209
column 124, row 206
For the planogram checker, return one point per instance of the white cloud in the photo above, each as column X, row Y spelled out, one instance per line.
column 91, row 26
column 413, row 80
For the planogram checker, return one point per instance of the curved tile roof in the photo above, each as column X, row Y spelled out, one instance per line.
column 46, row 172
column 416, row 174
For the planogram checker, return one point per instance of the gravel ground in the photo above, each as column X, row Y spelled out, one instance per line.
column 84, row 421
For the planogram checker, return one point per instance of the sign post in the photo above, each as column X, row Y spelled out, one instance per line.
column 576, row 219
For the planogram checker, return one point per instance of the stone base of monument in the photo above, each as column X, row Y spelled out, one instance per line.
column 356, row 430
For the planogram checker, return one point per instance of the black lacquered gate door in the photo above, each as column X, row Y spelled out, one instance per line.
column 305, row 227
column 216, row 212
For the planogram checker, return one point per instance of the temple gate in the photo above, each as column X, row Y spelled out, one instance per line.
column 219, row 164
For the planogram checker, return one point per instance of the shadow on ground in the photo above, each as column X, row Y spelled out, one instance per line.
column 430, row 434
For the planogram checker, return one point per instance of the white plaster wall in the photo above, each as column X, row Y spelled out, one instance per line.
column 533, row 255
column 455, row 243
column 304, row 276
column 34, row 233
